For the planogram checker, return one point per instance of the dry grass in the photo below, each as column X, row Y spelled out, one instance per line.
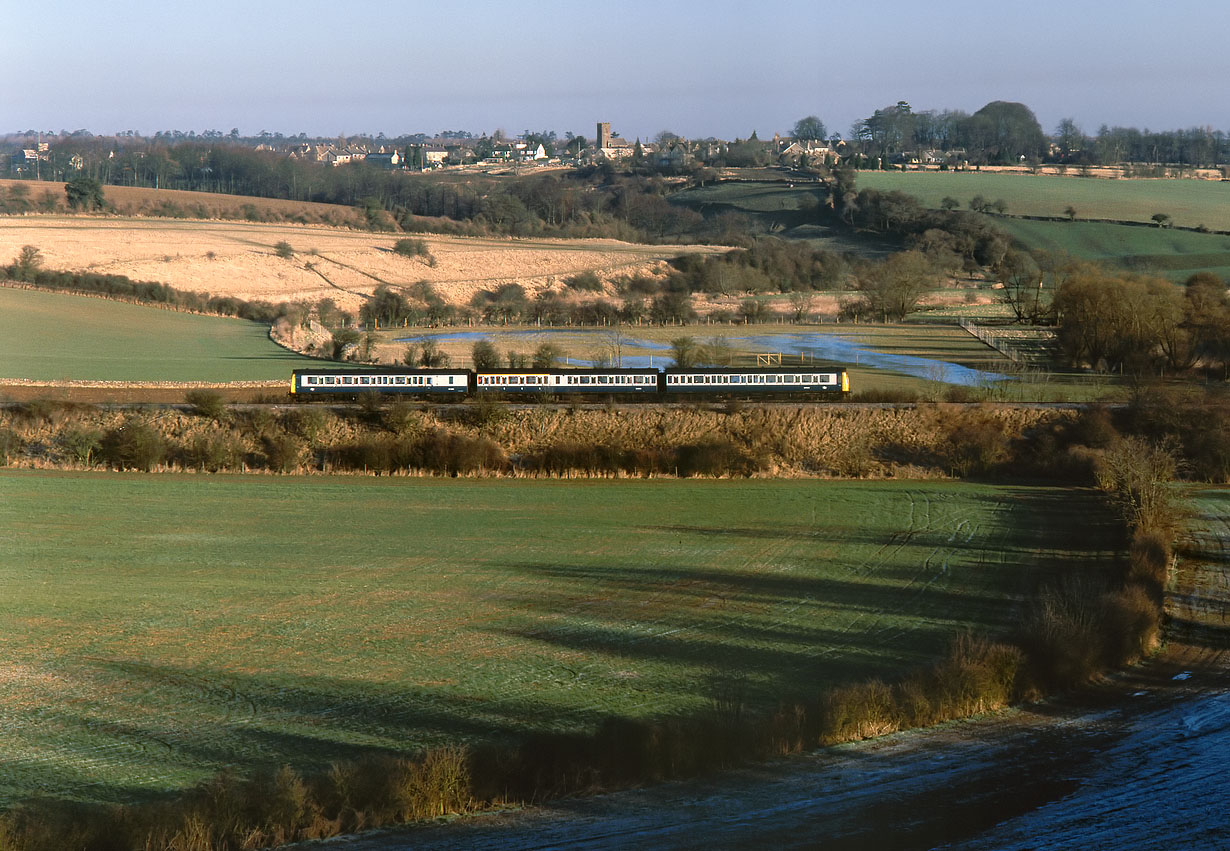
column 240, row 259
column 142, row 201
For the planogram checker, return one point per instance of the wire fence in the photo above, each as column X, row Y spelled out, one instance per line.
column 1001, row 344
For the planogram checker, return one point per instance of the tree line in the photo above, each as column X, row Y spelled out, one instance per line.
column 1004, row 133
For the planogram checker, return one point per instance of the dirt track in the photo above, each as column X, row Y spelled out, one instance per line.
column 1138, row 762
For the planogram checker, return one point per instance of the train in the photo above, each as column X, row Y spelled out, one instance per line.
column 750, row 382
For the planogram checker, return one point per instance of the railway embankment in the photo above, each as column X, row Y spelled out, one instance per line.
column 499, row 439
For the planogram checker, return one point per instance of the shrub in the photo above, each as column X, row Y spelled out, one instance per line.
column 714, row 458
column 283, row 250
column 1064, row 633
column 310, row 424
column 1133, row 624
column 584, row 282
column 1137, row 474
column 452, row 454
column 414, row 248
column 211, row 453
column 1149, row 557
column 485, row 411
column 283, row 452
column 10, row 445
column 81, row 445
column 484, row 355
column 860, row 711
column 432, row 357
column 975, row 443
column 37, row 410
column 436, row 785
column 401, row 417
column 206, row 403
column 134, row 445
column 369, row 454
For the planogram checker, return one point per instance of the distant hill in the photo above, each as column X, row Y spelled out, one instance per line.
column 180, row 204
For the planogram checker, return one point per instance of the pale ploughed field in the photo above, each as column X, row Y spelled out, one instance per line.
column 238, row 258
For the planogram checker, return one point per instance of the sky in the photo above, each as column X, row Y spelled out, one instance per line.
column 717, row 68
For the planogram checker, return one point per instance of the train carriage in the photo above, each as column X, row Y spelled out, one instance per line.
column 394, row 380
column 755, row 381
column 567, row 381
column 644, row 382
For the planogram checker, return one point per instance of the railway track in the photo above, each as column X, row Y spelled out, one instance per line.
column 587, row 405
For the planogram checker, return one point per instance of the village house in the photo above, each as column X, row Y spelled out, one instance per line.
column 674, row 156
column 384, row 159
column 794, row 151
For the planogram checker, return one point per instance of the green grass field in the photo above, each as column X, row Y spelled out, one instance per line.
column 1189, row 203
column 1175, row 254
column 782, row 209
column 53, row 336
column 1169, row 253
column 753, row 197
column 159, row 628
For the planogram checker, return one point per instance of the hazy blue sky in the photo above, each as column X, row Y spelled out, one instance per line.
column 719, row 68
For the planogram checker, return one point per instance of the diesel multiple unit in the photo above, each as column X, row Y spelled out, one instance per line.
column 693, row 381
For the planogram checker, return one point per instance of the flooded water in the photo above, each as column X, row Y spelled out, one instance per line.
column 826, row 348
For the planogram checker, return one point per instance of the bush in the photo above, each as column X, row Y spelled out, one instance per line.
column 283, row 452
column 454, row 454
column 485, row 411
column 211, row 453
column 1133, row 624
column 976, row 442
column 134, row 445
column 10, row 445
column 587, row 282
column 414, row 248
column 283, row 250
column 714, row 458
column 860, row 711
column 484, row 355
column 311, row 424
column 436, row 785
column 1138, row 475
column 1149, row 558
column 1065, row 632
column 81, row 445
column 206, row 403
